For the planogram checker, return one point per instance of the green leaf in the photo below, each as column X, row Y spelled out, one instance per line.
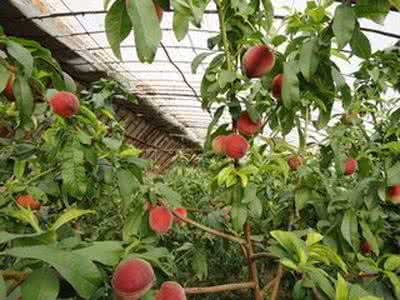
column 393, row 175
column 146, row 28
column 41, row 284
column 313, row 238
column 3, row 288
column 127, row 183
column 268, row 14
column 73, row 171
column 24, row 97
column 132, row 224
column 349, row 229
column 395, row 281
column 24, row 215
column 239, row 216
column 341, row 86
column 70, row 85
column 309, row 58
column 69, row 215
column 117, row 26
column 4, row 77
column 6, row 237
column 226, row 77
column 375, row 10
column 321, row 280
column 200, row 264
column 342, row 290
column 180, row 26
column 369, row 237
column 360, row 44
column 173, row 198
column 290, row 89
column 22, row 56
column 344, row 24
column 301, row 197
column 291, row 243
column 108, row 253
column 357, row 292
column 327, row 255
column 199, row 59
column 217, row 115
column 80, row 272
column 392, row 263
column 395, row 3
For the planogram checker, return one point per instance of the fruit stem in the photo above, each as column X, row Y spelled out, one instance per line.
column 222, row 26
column 209, row 230
column 220, row 288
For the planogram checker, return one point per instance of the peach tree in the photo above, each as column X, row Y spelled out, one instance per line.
column 323, row 211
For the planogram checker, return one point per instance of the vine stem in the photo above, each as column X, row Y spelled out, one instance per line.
column 220, row 288
column 209, row 230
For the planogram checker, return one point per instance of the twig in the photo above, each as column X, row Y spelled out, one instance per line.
column 209, row 230
column 262, row 255
column 252, row 264
column 220, row 288
column 275, row 290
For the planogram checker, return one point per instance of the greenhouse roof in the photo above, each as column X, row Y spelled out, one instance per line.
column 168, row 83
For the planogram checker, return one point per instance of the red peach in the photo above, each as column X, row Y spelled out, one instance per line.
column 218, row 145
column 181, row 212
column 394, row 193
column 350, row 166
column 236, row 146
column 295, row 162
column 132, row 279
column 277, row 83
column 28, row 202
column 258, row 60
column 171, row 291
column 65, row 104
column 246, row 126
column 160, row 219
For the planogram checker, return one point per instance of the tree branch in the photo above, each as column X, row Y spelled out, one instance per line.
column 209, row 230
column 252, row 264
column 220, row 288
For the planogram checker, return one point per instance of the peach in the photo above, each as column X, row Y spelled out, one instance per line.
column 277, row 83
column 366, row 247
column 65, row 104
column 350, row 166
column 218, row 145
column 28, row 202
column 132, row 279
column 9, row 89
column 171, row 290
column 236, row 146
column 246, row 126
column 258, row 60
column 295, row 162
column 181, row 212
column 393, row 193
column 160, row 219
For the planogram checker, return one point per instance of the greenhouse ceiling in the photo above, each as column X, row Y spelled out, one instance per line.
column 168, row 82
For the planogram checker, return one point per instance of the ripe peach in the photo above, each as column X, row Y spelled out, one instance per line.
column 9, row 89
column 27, row 201
column 295, row 162
column 257, row 61
column 366, row 247
column 277, row 83
column 160, row 219
column 65, row 104
column 218, row 144
column 350, row 166
column 171, row 290
column 132, row 279
column 236, row 146
column 393, row 193
column 182, row 212
column 246, row 126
